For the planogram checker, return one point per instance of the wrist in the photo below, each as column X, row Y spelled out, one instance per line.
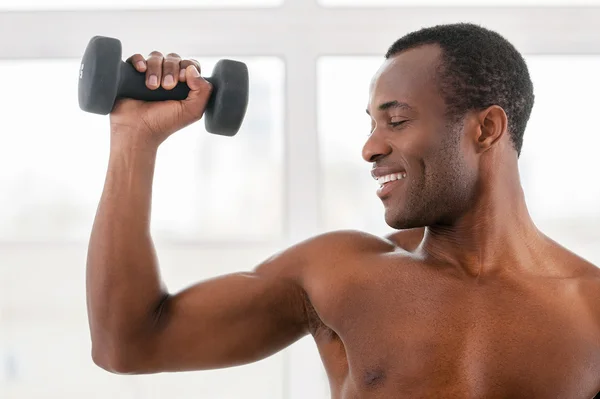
column 128, row 140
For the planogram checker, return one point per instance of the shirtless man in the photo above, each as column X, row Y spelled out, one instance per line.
column 468, row 300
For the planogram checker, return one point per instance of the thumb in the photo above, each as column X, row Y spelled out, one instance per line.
column 200, row 91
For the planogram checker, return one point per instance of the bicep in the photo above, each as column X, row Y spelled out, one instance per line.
column 226, row 321
column 242, row 317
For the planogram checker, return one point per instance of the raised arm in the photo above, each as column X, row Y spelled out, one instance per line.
column 136, row 325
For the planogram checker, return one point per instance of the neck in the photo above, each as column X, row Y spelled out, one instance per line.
column 495, row 234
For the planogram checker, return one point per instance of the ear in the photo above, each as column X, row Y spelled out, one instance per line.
column 493, row 125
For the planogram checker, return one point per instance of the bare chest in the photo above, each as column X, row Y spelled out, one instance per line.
column 423, row 339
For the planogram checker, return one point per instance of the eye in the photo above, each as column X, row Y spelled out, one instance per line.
column 396, row 124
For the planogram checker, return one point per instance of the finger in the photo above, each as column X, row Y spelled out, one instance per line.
column 200, row 92
column 184, row 64
column 138, row 62
column 154, row 70
column 194, row 80
column 170, row 70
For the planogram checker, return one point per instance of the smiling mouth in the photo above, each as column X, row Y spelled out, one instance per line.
column 382, row 180
column 388, row 182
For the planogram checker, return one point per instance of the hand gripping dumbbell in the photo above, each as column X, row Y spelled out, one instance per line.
column 104, row 77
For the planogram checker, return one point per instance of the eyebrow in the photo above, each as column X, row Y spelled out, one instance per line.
column 393, row 104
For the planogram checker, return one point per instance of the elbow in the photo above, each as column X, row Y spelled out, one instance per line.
column 115, row 360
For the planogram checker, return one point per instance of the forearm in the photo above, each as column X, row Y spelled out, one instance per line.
column 124, row 288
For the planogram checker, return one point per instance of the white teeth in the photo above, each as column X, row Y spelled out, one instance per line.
column 392, row 177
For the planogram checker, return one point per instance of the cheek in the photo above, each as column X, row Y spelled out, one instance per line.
column 445, row 166
column 427, row 135
column 425, row 155
column 455, row 177
column 417, row 143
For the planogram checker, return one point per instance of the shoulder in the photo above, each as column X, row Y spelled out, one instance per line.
column 340, row 243
column 591, row 291
column 586, row 277
column 325, row 249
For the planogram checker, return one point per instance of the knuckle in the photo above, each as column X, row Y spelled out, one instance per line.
column 156, row 54
column 208, row 88
column 155, row 63
column 170, row 65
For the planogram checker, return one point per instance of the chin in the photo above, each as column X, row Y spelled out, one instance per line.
column 401, row 219
column 396, row 219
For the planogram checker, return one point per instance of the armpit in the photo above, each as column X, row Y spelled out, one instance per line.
column 315, row 325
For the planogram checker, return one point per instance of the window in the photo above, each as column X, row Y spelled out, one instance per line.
column 349, row 199
column 558, row 162
column 208, row 187
column 45, row 343
column 236, row 201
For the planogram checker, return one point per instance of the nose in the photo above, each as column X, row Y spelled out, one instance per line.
column 376, row 147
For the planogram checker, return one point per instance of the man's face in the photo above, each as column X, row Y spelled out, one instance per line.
column 417, row 155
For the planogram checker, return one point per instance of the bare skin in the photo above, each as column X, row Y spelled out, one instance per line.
column 478, row 304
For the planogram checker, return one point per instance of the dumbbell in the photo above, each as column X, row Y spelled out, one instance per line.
column 104, row 77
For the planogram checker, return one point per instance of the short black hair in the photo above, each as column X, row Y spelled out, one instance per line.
column 479, row 68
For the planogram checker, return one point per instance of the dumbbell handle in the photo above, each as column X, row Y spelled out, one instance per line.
column 132, row 84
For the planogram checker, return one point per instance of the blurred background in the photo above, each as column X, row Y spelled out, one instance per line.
column 224, row 204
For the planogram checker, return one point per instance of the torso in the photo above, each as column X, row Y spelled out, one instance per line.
column 389, row 325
